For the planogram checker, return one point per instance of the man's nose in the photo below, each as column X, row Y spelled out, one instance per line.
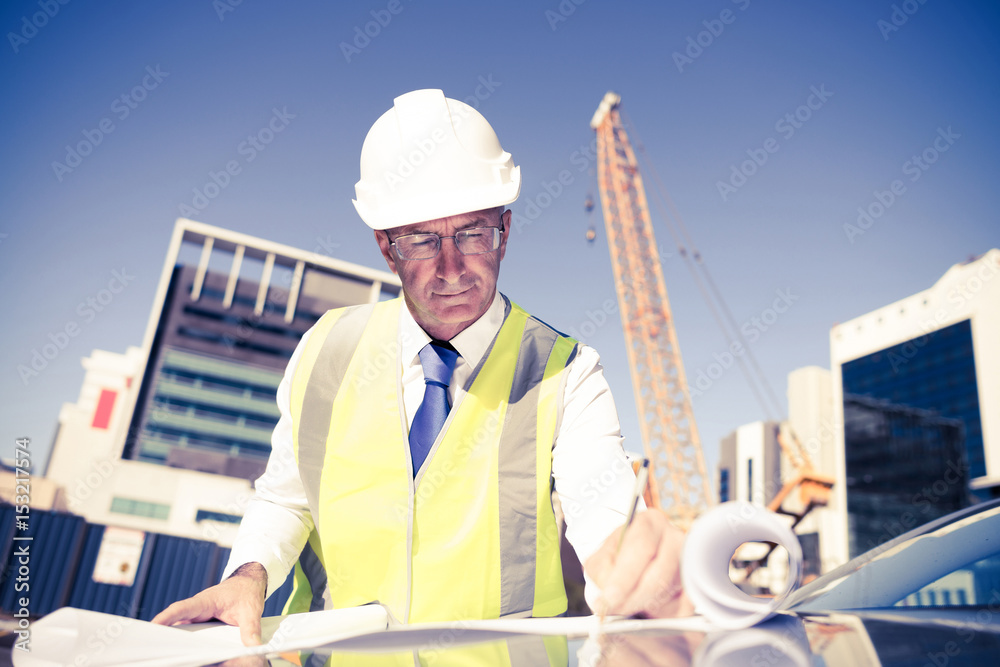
column 450, row 262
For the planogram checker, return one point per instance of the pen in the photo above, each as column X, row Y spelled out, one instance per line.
column 640, row 485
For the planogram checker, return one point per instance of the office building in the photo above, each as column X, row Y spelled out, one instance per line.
column 750, row 463
column 916, row 388
column 169, row 437
column 221, row 342
column 750, row 469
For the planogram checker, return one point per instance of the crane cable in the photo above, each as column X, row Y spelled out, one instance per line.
column 694, row 260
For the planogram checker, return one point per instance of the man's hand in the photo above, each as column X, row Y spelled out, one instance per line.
column 644, row 577
column 239, row 600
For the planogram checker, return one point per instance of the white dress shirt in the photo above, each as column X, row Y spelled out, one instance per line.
column 593, row 478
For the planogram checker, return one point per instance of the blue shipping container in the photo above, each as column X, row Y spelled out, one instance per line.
column 108, row 598
column 41, row 569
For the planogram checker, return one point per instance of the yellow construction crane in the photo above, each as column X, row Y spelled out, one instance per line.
column 678, row 481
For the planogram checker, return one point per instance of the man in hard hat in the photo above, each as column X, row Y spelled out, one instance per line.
column 420, row 438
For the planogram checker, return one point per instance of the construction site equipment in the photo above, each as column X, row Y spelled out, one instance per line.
column 678, row 481
column 813, row 490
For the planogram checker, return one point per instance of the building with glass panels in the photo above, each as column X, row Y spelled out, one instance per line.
column 904, row 467
column 917, row 403
column 169, row 437
column 221, row 342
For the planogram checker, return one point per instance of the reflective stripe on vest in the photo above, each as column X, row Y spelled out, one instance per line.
column 309, row 590
column 473, row 536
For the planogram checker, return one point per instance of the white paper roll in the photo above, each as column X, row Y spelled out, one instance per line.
column 708, row 549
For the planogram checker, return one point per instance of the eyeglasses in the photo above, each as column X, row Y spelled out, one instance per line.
column 476, row 241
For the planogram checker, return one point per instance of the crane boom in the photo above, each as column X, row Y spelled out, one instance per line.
column 678, row 480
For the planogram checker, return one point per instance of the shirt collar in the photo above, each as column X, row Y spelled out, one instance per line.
column 471, row 343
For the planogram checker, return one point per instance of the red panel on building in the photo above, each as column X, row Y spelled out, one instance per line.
column 102, row 416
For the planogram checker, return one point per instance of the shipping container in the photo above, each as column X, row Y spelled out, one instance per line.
column 109, row 598
column 7, row 514
column 179, row 568
column 40, row 568
column 62, row 568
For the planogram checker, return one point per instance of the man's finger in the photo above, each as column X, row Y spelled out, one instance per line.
column 638, row 550
column 659, row 585
column 250, row 629
column 190, row 610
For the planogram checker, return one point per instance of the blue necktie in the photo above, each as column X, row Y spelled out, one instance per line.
column 438, row 361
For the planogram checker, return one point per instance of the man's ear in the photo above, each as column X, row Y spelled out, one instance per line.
column 382, row 238
column 506, row 218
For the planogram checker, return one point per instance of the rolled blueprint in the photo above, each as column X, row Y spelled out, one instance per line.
column 710, row 545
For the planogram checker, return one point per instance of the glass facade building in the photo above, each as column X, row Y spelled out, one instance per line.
column 222, row 340
column 912, row 434
column 208, row 398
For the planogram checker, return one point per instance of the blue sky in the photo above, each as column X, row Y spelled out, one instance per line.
column 708, row 85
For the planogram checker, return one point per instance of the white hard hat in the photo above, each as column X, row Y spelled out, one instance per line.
column 430, row 157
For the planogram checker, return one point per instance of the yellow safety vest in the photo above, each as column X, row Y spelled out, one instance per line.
column 474, row 535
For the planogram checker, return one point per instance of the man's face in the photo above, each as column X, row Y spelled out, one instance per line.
column 447, row 293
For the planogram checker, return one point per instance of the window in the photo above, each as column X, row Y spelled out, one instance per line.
column 972, row 584
column 140, row 508
column 206, row 515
